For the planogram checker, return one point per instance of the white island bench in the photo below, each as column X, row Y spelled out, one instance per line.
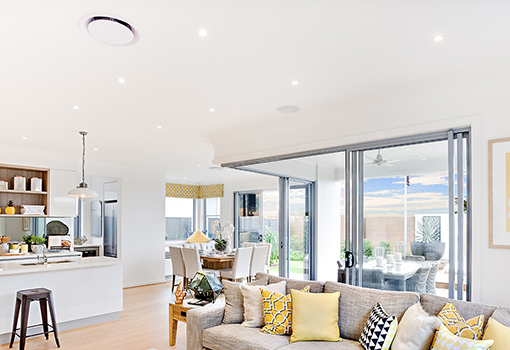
column 86, row 291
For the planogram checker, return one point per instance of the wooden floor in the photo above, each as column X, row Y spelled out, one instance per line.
column 142, row 325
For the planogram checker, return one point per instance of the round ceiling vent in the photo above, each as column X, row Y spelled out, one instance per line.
column 110, row 30
column 288, row 109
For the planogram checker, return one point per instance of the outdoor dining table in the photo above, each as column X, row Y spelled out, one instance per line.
column 398, row 272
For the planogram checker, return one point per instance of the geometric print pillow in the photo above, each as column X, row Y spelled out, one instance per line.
column 379, row 330
column 445, row 340
column 278, row 312
column 456, row 324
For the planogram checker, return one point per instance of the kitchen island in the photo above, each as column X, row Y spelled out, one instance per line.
column 86, row 291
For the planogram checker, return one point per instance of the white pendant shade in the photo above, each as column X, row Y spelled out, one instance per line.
column 82, row 193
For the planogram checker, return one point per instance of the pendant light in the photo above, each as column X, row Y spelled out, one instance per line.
column 82, row 191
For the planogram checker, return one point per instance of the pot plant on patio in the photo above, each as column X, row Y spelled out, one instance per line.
column 428, row 239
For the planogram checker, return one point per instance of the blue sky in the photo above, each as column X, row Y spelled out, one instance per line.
column 427, row 194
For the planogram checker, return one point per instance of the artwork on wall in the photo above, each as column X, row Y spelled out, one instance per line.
column 499, row 193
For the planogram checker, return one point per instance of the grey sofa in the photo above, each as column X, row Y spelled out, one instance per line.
column 205, row 329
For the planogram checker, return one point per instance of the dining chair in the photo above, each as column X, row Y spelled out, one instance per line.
column 431, row 278
column 268, row 257
column 418, row 283
column 248, row 244
column 178, row 267
column 414, row 258
column 258, row 260
column 241, row 265
column 191, row 263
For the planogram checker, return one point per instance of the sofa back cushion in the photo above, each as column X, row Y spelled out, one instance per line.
column 356, row 303
column 432, row 304
column 315, row 286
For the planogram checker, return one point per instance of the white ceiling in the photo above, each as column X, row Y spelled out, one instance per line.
column 343, row 53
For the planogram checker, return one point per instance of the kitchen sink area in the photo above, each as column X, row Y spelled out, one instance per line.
column 48, row 263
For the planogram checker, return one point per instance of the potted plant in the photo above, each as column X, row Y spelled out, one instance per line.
column 428, row 239
column 221, row 244
column 35, row 243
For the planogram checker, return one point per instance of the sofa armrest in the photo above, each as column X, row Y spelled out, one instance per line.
column 198, row 320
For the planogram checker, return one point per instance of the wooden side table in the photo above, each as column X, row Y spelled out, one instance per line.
column 176, row 312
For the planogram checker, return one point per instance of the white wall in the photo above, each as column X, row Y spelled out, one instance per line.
column 142, row 208
column 487, row 108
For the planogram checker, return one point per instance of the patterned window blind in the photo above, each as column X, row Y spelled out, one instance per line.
column 193, row 191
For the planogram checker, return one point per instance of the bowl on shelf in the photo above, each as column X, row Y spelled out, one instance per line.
column 14, row 251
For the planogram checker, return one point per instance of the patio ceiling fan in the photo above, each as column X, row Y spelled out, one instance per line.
column 379, row 160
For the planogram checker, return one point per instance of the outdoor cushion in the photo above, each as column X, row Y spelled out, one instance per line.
column 356, row 303
column 236, row 336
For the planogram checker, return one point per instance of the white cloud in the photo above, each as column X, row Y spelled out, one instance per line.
column 380, row 193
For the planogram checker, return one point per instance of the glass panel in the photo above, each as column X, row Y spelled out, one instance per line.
column 250, row 221
column 406, row 228
column 299, row 240
column 271, row 225
column 179, row 218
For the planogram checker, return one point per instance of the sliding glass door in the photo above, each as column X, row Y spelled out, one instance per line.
column 406, row 228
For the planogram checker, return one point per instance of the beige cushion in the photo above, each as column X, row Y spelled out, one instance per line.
column 356, row 303
column 235, row 336
column 252, row 302
column 416, row 330
column 234, row 308
column 502, row 315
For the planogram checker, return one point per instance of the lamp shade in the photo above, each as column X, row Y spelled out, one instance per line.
column 82, row 192
column 205, row 286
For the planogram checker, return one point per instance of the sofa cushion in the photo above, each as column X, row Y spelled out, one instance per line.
column 457, row 324
column 315, row 286
column 445, row 340
column 499, row 333
column 234, row 308
column 324, row 345
column 252, row 301
column 416, row 329
column 432, row 304
column 356, row 303
column 502, row 315
column 379, row 330
column 235, row 336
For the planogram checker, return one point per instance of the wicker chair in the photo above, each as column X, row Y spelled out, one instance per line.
column 414, row 258
column 418, row 283
column 431, row 278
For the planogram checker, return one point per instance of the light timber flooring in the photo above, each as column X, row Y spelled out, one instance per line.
column 143, row 325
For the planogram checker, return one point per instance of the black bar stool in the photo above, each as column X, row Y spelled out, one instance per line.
column 23, row 300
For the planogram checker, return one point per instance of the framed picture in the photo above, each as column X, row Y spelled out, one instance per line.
column 499, row 193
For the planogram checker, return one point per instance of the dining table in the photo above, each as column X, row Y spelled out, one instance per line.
column 217, row 261
column 398, row 272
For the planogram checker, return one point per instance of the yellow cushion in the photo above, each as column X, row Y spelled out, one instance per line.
column 314, row 316
column 455, row 323
column 198, row 237
column 445, row 340
column 499, row 333
column 278, row 312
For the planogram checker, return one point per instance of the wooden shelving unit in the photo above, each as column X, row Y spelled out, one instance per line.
column 8, row 172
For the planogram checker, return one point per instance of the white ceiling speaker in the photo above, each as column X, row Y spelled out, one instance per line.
column 288, row 109
column 110, row 30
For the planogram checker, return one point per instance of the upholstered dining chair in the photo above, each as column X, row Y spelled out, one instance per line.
column 268, row 256
column 248, row 244
column 241, row 266
column 178, row 268
column 258, row 260
column 191, row 263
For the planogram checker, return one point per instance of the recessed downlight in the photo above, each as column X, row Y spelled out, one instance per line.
column 202, row 32
column 211, row 109
column 424, row 159
column 24, row 138
column 110, row 30
column 159, row 127
column 121, row 80
column 288, row 109
column 96, row 149
column 76, row 107
column 439, row 38
column 295, row 82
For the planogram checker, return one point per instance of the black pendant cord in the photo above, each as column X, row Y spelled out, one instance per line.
column 83, row 160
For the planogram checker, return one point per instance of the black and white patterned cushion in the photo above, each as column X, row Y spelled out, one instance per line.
column 379, row 330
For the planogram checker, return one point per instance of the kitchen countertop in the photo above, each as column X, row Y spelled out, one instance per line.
column 14, row 267
column 34, row 256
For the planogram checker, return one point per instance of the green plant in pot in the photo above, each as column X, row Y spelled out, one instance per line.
column 34, row 242
column 428, row 239
column 221, row 244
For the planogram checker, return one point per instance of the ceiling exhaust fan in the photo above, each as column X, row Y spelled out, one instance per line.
column 379, row 160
